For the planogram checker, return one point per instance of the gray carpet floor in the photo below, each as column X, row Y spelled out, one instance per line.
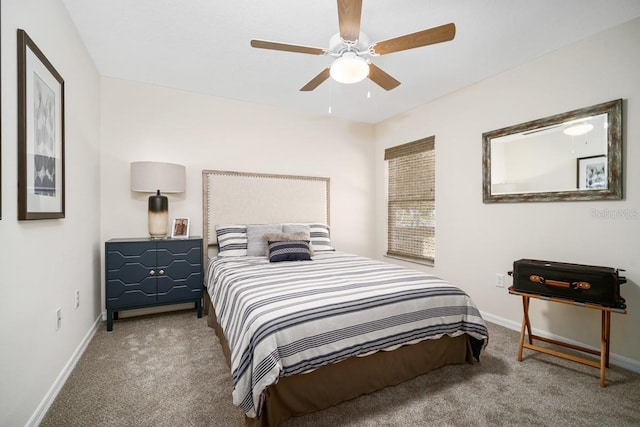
column 168, row 369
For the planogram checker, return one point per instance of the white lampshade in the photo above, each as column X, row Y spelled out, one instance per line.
column 149, row 177
column 349, row 68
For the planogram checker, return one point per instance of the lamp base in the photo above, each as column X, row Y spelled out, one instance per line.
column 158, row 216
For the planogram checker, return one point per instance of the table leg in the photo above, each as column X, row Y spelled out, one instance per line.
column 525, row 303
column 608, row 331
column 603, row 347
column 605, row 332
column 109, row 320
column 526, row 326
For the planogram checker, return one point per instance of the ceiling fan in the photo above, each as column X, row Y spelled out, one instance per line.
column 352, row 50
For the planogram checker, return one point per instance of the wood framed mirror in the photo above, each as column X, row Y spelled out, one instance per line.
column 570, row 156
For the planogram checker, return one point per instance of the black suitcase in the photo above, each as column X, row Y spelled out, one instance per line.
column 580, row 283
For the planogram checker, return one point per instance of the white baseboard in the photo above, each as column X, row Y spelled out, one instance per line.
column 614, row 359
column 55, row 388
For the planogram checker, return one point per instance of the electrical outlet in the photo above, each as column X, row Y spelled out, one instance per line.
column 77, row 298
column 500, row 280
column 58, row 318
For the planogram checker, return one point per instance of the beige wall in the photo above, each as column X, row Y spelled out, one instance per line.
column 145, row 122
column 43, row 262
column 474, row 241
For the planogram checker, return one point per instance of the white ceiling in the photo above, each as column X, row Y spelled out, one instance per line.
column 203, row 45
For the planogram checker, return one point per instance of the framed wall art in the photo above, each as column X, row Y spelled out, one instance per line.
column 40, row 134
column 592, row 173
column 0, row 144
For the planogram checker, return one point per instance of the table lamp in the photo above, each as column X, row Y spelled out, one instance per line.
column 156, row 177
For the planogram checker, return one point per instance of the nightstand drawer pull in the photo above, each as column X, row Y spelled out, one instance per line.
column 152, row 272
column 161, row 272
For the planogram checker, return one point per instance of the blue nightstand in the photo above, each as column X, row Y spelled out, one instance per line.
column 145, row 272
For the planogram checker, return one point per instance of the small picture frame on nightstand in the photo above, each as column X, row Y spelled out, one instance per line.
column 180, row 228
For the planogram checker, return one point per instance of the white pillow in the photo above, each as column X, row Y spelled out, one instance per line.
column 232, row 240
column 320, row 240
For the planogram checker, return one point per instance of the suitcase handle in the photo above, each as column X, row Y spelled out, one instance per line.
column 557, row 283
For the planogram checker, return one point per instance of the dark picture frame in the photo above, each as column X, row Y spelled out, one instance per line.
column 591, row 173
column 41, row 192
column 0, row 135
column 0, row 138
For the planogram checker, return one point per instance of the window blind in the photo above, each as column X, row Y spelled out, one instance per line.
column 411, row 221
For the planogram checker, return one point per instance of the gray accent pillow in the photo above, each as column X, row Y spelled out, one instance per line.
column 287, row 237
column 256, row 244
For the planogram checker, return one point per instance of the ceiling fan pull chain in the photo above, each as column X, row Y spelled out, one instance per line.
column 330, row 96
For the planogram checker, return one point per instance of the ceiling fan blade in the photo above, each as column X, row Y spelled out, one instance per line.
column 264, row 44
column 382, row 79
column 316, row 81
column 434, row 35
column 349, row 13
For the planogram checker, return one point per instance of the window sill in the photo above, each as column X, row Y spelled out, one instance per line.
column 412, row 260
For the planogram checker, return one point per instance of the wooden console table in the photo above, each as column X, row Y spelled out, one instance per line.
column 605, row 334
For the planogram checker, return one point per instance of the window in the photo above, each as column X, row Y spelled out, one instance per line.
column 411, row 223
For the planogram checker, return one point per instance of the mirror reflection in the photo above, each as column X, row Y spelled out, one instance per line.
column 570, row 156
column 549, row 159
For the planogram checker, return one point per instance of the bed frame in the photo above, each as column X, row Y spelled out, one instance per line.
column 252, row 198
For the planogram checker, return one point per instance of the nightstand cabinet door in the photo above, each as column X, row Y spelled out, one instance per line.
column 180, row 270
column 130, row 274
column 143, row 273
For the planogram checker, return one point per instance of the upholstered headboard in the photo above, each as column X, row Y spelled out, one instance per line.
column 254, row 198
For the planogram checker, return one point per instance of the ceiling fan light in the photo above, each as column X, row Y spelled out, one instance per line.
column 349, row 68
column 579, row 129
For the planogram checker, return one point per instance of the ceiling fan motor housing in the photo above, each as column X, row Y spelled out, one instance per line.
column 337, row 46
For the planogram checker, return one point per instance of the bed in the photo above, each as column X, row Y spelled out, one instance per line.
column 304, row 335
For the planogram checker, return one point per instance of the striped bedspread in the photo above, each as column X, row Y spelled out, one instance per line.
column 287, row 318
